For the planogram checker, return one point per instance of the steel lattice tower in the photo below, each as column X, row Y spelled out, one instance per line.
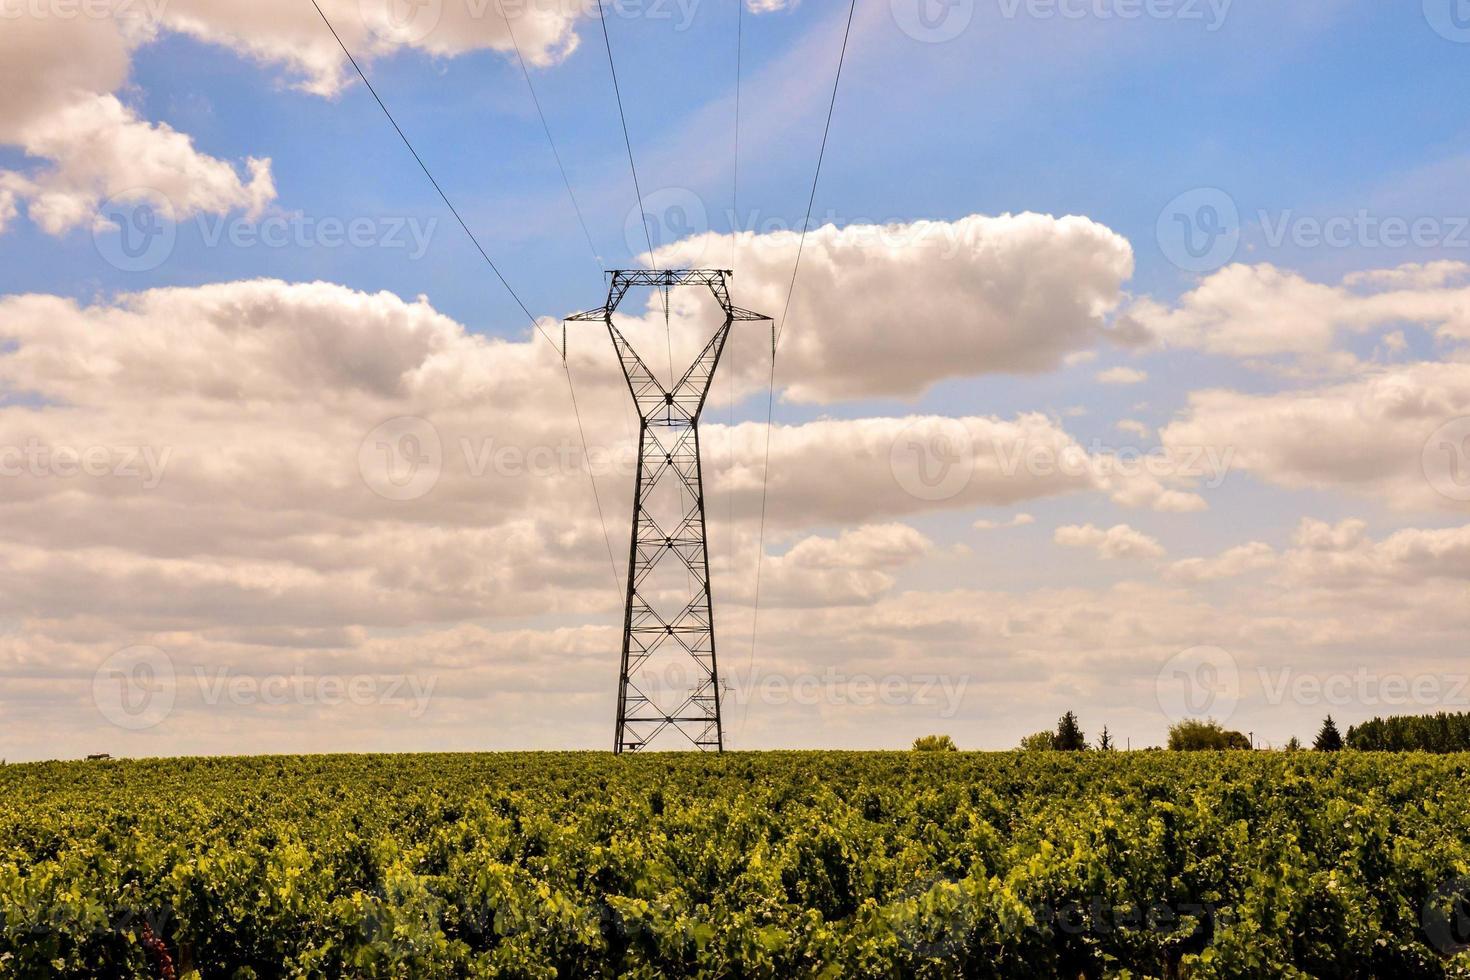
column 671, row 539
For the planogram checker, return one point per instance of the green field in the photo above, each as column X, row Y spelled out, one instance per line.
column 770, row 864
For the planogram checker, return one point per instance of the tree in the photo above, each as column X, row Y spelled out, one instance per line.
column 1293, row 744
column 1039, row 742
column 1070, row 737
column 1328, row 739
column 935, row 743
column 1105, row 741
column 1205, row 736
column 1442, row 732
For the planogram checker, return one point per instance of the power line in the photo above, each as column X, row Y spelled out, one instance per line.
column 735, row 169
column 627, row 142
column 534, row 322
column 816, row 176
column 734, row 217
column 637, row 190
column 566, row 182
column 493, row 267
column 775, row 341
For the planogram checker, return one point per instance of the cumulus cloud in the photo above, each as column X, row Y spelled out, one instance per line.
column 1259, row 311
column 1118, row 541
column 1012, row 294
column 208, row 469
column 236, row 440
column 1020, row 520
column 292, row 35
column 1122, row 376
column 854, row 568
column 1249, row 557
column 59, row 77
column 1392, row 433
column 101, row 150
column 1343, row 555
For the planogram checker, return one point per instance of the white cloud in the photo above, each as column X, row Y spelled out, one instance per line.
column 1134, row 427
column 1020, row 520
column 100, row 150
column 1250, row 557
column 59, row 77
column 1343, row 556
column 1258, row 311
column 244, row 412
column 855, row 568
column 1012, row 294
column 1122, row 376
column 1118, row 541
column 1389, row 434
column 292, row 35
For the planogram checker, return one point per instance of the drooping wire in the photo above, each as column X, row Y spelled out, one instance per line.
column 494, row 268
column 735, row 168
column 546, row 128
column 821, row 153
column 775, row 342
column 734, row 222
column 586, row 455
column 637, row 189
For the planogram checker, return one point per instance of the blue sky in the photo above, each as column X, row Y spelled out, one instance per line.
column 1284, row 115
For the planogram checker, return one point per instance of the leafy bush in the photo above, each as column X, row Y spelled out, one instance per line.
column 935, row 743
column 1192, row 735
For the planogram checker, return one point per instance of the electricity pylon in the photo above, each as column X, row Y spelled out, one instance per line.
column 669, row 618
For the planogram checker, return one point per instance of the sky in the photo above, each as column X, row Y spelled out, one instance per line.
column 1124, row 372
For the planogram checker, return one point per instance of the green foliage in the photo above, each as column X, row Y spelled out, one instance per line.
column 935, row 743
column 1069, row 737
column 1293, row 744
column 1039, row 742
column 1105, row 741
column 1192, row 735
column 1328, row 739
column 770, row 865
column 1442, row 732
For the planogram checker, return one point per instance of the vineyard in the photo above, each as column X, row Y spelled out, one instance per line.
column 1146, row 864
